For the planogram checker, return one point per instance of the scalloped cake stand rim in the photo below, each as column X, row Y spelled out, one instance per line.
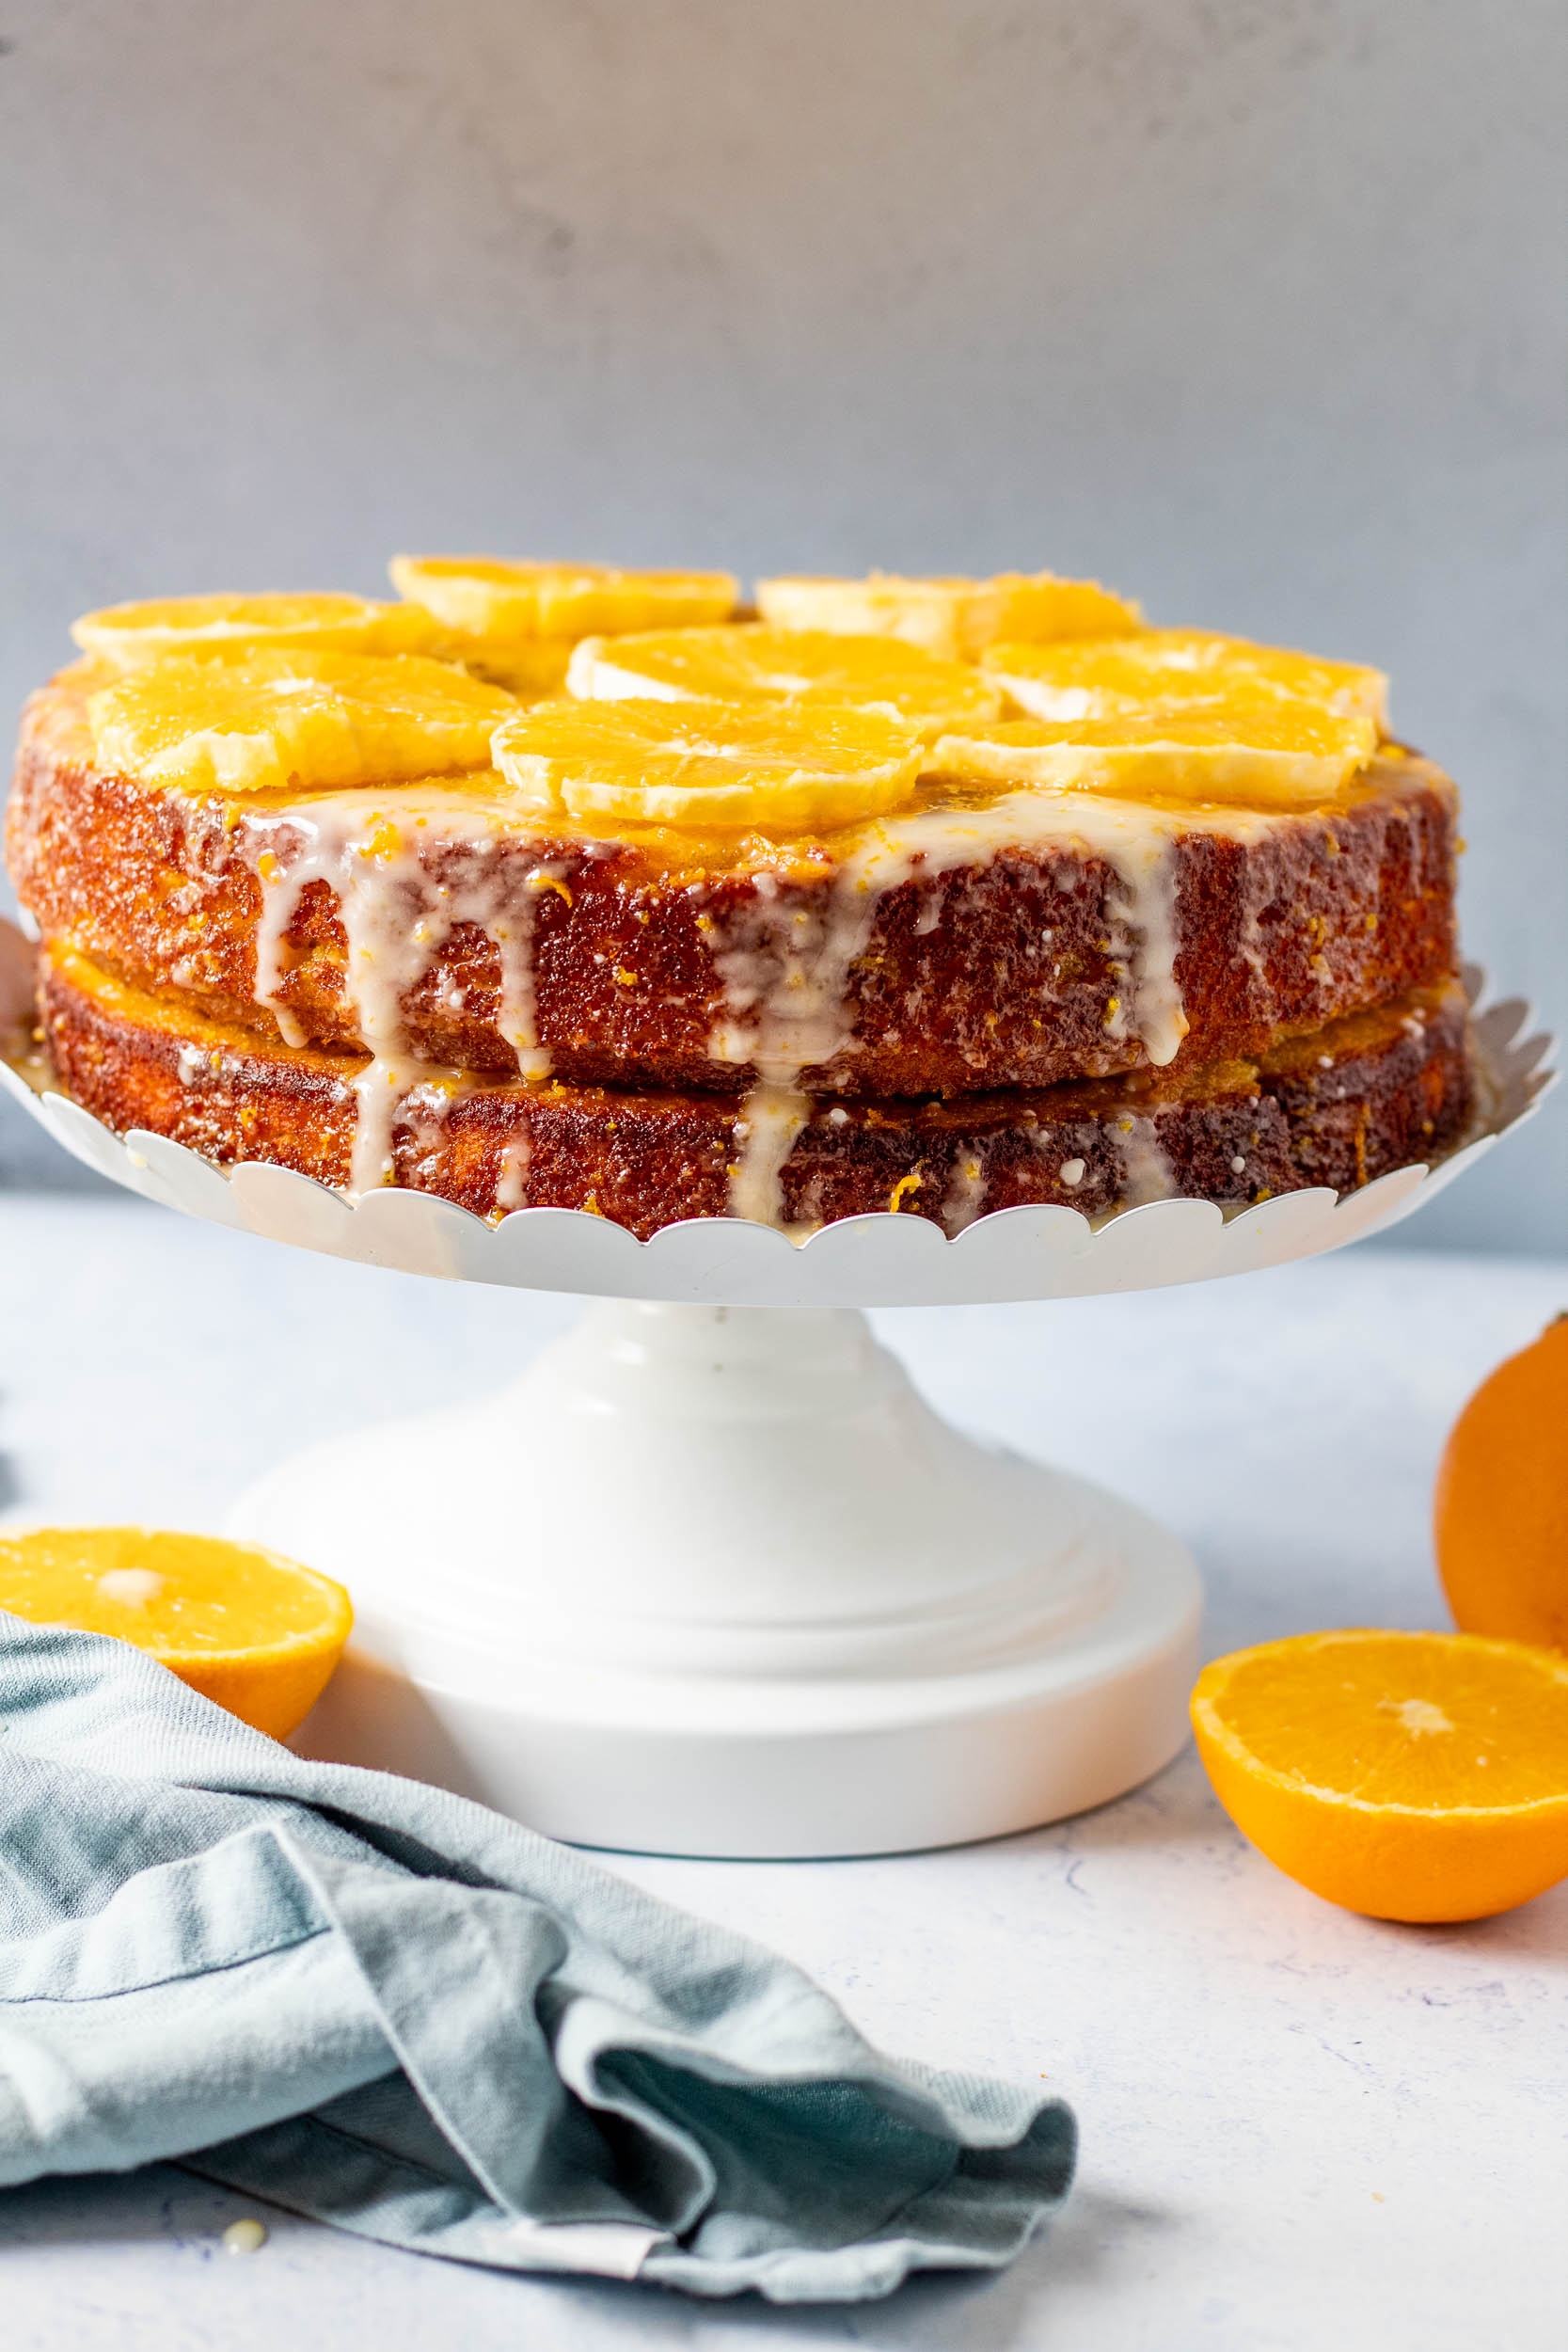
column 874, row 1261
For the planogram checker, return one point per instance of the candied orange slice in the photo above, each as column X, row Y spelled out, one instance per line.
column 278, row 719
column 1252, row 751
column 126, row 635
column 708, row 766
column 1104, row 678
column 499, row 604
column 255, row 1632
column 750, row 663
column 954, row 618
column 1409, row 1776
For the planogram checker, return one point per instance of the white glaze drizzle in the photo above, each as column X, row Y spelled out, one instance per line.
column 512, row 1184
column 1147, row 1173
column 1250, row 943
column 396, row 915
column 771, row 1117
column 1141, row 904
column 785, row 966
column 965, row 1197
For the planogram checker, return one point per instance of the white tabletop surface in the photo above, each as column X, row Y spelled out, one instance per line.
column 1302, row 2132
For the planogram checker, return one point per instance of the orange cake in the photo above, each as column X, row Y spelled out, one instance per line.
column 709, row 916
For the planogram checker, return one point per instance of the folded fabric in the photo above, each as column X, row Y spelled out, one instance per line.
column 380, row 2005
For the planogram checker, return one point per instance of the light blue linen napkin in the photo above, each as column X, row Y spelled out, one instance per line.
column 378, row 2004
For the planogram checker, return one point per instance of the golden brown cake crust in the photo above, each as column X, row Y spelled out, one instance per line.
column 1000, row 972
column 1376, row 1090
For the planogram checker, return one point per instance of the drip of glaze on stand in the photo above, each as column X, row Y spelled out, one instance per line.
column 397, row 910
column 785, row 959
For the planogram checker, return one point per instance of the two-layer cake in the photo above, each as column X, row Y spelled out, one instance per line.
column 554, row 885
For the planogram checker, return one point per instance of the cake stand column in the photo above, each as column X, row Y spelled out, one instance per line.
column 718, row 1580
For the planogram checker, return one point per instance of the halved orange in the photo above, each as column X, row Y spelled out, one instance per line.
column 257, row 1634
column 1418, row 1777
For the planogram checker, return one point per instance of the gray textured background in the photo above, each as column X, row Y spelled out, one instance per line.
column 1257, row 311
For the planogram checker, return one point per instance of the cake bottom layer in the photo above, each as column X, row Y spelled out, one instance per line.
column 1376, row 1090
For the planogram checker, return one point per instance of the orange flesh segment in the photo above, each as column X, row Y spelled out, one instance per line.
column 1412, row 1721
column 172, row 1595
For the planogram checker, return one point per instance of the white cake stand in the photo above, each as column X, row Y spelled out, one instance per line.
column 711, row 1578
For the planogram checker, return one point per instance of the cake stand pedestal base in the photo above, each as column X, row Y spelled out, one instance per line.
column 716, row 1580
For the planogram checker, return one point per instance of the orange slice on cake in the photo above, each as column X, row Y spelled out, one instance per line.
column 1251, row 751
column 279, row 720
column 707, row 766
column 954, row 618
column 125, row 636
column 1171, row 668
column 517, row 622
column 751, row 664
